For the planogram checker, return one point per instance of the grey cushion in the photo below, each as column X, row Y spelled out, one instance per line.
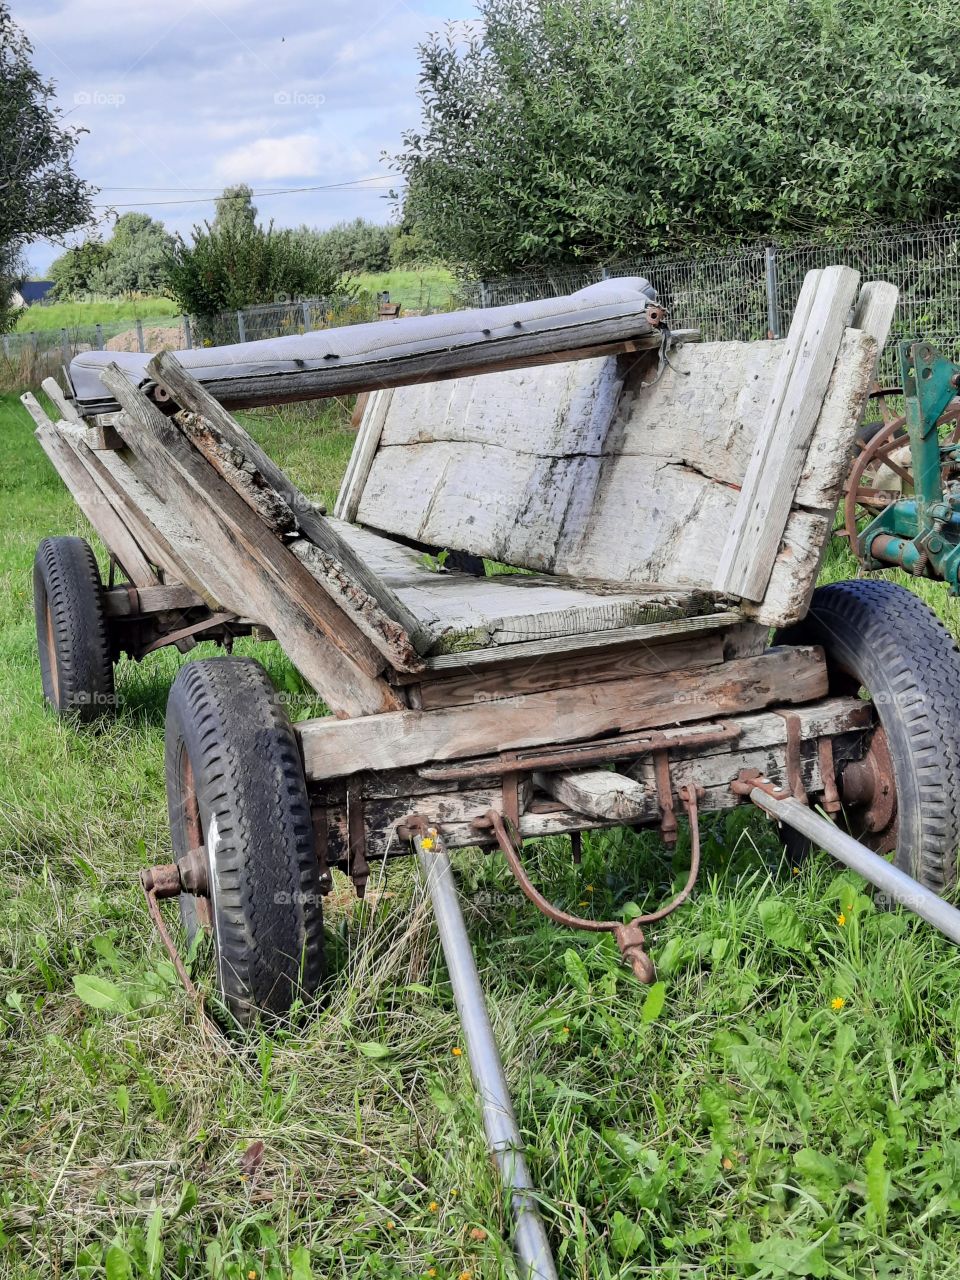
column 355, row 345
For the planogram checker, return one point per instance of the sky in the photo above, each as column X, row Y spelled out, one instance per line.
column 182, row 97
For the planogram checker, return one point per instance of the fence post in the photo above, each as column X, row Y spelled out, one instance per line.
column 773, row 297
column 6, row 345
column 187, row 334
column 65, row 346
column 140, row 347
column 484, row 294
column 241, row 327
column 305, row 307
column 98, row 341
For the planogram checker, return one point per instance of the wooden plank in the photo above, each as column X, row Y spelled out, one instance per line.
column 189, row 394
column 458, row 686
column 598, row 793
column 654, row 633
column 117, row 602
column 785, row 675
column 67, row 408
column 754, row 538
column 375, row 412
column 256, row 575
column 90, row 498
column 576, row 342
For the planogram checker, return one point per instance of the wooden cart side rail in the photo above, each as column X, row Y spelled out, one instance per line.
column 187, row 392
column 404, row 739
column 250, row 571
column 91, row 498
column 760, row 744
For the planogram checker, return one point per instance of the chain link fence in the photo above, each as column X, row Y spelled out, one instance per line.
column 750, row 292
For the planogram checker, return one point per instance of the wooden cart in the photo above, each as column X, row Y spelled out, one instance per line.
column 662, row 504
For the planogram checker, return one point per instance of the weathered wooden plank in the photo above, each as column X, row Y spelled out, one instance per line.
column 257, row 576
column 375, row 411
column 576, row 342
column 754, row 537
column 90, row 497
column 189, row 394
column 513, row 680
column 66, row 408
column 786, row 675
column 598, row 793
column 117, row 602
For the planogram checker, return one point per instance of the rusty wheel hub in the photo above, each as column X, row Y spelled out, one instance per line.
column 869, row 792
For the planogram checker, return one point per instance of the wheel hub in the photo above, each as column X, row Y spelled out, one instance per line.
column 869, row 793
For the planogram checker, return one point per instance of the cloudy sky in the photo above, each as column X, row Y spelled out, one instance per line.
column 181, row 97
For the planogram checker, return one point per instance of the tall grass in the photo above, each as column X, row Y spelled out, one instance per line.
column 107, row 311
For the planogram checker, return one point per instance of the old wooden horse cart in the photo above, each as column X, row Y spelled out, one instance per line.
column 658, row 649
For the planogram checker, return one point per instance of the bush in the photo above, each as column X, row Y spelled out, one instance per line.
column 358, row 246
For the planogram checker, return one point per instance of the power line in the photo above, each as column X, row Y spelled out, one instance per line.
column 255, row 195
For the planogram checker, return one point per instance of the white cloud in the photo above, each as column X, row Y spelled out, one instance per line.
column 300, row 155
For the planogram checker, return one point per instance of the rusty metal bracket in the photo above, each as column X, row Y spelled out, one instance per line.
column 668, row 818
column 187, row 633
column 629, row 936
column 748, row 780
column 164, row 882
column 828, row 777
column 794, row 761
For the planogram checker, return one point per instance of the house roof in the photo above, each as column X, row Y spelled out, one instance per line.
column 35, row 290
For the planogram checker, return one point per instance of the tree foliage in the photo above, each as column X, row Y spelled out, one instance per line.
column 40, row 195
column 240, row 263
column 566, row 130
column 133, row 260
column 235, row 209
column 359, row 245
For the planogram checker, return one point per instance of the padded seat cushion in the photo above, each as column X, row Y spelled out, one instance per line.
column 464, row 612
column 355, row 345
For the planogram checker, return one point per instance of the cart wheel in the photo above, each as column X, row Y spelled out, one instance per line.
column 242, row 834
column 76, row 663
column 904, row 793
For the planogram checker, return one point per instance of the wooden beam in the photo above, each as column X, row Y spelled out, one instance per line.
column 117, row 602
column 254, row 574
column 599, row 793
column 364, row 451
column 803, row 375
column 189, row 394
column 576, row 342
column 67, row 408
column 784, row 675
column 90, row 498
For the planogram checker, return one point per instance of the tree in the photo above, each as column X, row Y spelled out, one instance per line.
column 137, row 256
column 235, row 208
column 359, row 245
column 75, row 271
column 586, row 130
column 241, row 264
column 40, row 195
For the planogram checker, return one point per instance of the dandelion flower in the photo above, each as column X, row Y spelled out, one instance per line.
column 841, row 919
column 391, row 1226
column 837, row 1003
column 426, row 843
column 796, row 871
column 566, row 1031
column 434, row 1207
column 465, row 1275
column 251, row 1275
column 454, row 1191
column 432, row 1271
column 456, row 1051
column 589, row 888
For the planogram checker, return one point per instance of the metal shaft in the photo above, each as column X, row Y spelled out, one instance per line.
column 901, row 887
column 503, row 1137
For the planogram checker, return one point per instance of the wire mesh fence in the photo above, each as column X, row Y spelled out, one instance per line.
column 747, row 293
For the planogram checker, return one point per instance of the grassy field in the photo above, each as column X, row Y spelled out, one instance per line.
column 785, row 1103
column 415, row 290
column 111, row 311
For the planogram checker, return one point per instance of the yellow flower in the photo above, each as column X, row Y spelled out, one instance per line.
column 426, row 843
column 251, row 1275
column 243, row 1177
column 456, row 1051
column 434, row 1207
column 432, row 1271
column 841, row 919
column 465, row 1275
column 796, row 871
column 454, row 1191
column 837, row 1003
column 566, row 1031
column 583, row 904
column 589, row 888
column 391, row 1226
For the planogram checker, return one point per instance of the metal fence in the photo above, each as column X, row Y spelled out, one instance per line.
column 749, row 292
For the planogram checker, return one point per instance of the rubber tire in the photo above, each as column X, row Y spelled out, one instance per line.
column 76, row 661
column 224, row 715
column 879, row 636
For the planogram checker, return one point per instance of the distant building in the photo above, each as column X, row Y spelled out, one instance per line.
column 28, row 292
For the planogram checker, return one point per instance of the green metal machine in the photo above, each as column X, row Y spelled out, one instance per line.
column 921, row 533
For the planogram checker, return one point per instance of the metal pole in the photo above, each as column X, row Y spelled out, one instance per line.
column 187, row 335
column 773, row 295
column 503, row 1137
column 140, row 347
column 98, row 340
column 894, row 882
column 241, row 327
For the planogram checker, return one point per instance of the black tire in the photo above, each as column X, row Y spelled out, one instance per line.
column 236, row 788
column 76, row 662
column 880, row 637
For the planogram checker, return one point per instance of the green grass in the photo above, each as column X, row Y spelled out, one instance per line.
column 415, row 290
column 112, row 312
column 741, row 1128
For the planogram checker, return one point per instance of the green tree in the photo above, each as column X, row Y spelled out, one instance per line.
column 359, row 245
column 137, row 255
column 235, row 209
column 585, row 130
column 74, row 272
column 40, row 195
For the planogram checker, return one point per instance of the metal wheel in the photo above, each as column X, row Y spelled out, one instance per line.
column 881, row 472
